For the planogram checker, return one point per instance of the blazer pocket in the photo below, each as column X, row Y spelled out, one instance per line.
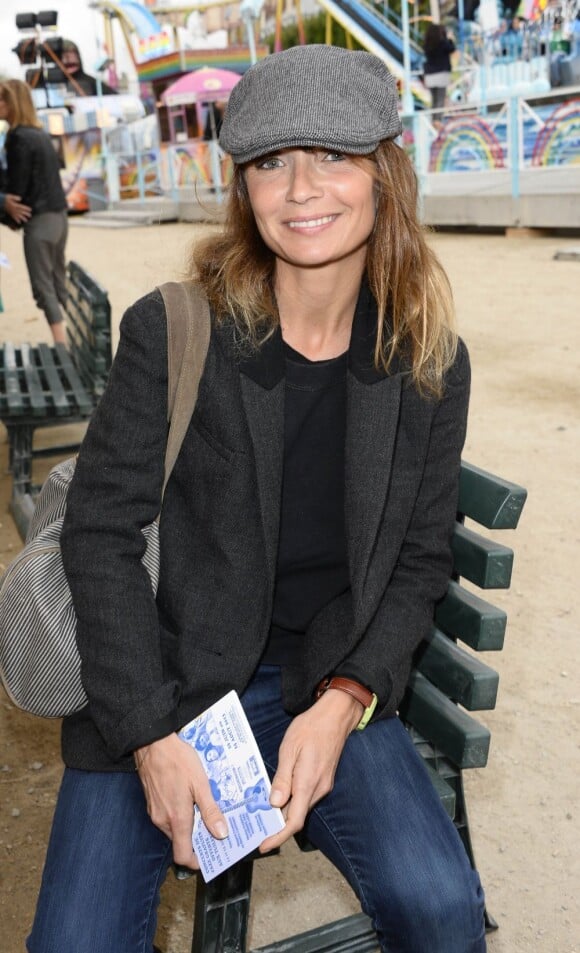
column 200, row 428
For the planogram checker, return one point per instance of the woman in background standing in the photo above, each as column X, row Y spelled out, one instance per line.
column 33, row 174
column 438, row 47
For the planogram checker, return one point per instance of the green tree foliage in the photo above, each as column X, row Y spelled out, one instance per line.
column 315, row 32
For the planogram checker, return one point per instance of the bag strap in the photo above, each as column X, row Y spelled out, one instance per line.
column 188, row 333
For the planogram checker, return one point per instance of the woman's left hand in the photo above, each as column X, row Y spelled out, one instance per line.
column 308, row 758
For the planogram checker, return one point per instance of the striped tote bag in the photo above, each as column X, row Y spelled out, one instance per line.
column 40, row 667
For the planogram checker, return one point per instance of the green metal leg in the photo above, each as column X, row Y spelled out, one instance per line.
column 20, row 457
column 222, row 909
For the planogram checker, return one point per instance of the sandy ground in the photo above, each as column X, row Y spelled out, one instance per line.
column 518, row 310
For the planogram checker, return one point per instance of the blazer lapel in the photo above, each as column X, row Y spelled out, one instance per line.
column 372, row 419
column 262, row 381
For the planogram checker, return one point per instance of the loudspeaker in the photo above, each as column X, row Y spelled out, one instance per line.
column 47, row 18
column 55, row 76
column 25, row 21
column 55, row 44
column 26, row 50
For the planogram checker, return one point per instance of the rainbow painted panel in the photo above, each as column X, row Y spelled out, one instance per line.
column 191, row 165
column 558, row 142
column 139, row 175
column 467, row 144
column 549, row 136
column 81, row 157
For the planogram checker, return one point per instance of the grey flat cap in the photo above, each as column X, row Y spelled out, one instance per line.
column 317, row 96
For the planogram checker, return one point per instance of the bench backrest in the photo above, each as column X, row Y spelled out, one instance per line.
column 448, row 681
column 88, row 328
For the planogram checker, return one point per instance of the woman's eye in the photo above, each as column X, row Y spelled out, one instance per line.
column 334, row 157
column 270, row 162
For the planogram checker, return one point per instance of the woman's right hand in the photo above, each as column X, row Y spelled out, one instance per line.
column 174, row 780
column 17, row 209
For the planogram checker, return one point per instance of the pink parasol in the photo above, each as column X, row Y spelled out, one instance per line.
column 202, row 85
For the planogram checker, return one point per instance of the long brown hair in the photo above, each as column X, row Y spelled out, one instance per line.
column 411, row 289
column 21, row 111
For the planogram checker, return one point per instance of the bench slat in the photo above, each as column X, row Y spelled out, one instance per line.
column 464, row 615
column 489, row 500
column 444, row 790
column 83, row 403
column 459, row 675
column 354, row 934
column 483, row 561
column 34, row 387
column 58, row 397
column 87, row 289
column 14, row 399
column 458, row 735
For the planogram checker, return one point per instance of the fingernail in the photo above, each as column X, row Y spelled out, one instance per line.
column 276, row 798
column 221, row 830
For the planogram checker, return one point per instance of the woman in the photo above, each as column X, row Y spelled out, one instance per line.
column 305, row 533
column 33, row 174
column 437, row 47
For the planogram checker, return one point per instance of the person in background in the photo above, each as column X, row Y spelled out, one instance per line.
column 437, row 46
column 79, row 82
column 559, row 37
column 32, row 172
column 512, row 39
column 559, row 47
column 305, row 533
column 213, row 121
column 12, row 206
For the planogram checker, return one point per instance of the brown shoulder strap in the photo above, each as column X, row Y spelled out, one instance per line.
column 188, row 333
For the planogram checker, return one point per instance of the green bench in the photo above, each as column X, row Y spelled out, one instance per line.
column 44, row 386
column 446, row 685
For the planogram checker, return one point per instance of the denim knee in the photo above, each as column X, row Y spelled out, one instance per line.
column 443, row 917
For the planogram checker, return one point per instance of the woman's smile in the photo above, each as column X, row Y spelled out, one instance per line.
column 311, row 223
column 324, row 197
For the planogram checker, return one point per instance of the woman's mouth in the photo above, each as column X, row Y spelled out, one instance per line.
column 311, row 222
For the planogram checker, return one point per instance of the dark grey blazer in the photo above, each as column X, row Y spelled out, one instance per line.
column 150, row 665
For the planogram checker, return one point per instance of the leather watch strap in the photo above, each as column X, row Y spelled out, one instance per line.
column 363, row 695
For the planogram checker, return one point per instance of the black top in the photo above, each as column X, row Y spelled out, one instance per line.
column 437, row 60
column 33, row 170
column 312, row 564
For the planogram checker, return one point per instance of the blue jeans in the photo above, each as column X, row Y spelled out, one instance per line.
column 382, row 826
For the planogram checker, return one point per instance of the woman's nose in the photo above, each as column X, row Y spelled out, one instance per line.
column 304, row 180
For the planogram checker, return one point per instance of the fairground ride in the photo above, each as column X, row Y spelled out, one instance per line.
column 155, row 45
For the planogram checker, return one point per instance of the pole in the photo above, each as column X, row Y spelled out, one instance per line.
column 460, row 19
column 514, row 117
column 408, row 106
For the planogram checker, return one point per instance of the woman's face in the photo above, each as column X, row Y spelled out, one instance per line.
column 313, row 207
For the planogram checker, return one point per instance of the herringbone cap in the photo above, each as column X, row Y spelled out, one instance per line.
column 317, row 96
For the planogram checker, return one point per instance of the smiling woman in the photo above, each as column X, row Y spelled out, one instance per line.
column 295, row 154
column 314, row 210
column 304, row 534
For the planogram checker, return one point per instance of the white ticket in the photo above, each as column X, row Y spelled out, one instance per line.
column 239, row 782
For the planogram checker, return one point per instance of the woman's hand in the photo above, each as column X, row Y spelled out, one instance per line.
column 309, row 755
column 174, row 780
column 16, row 209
